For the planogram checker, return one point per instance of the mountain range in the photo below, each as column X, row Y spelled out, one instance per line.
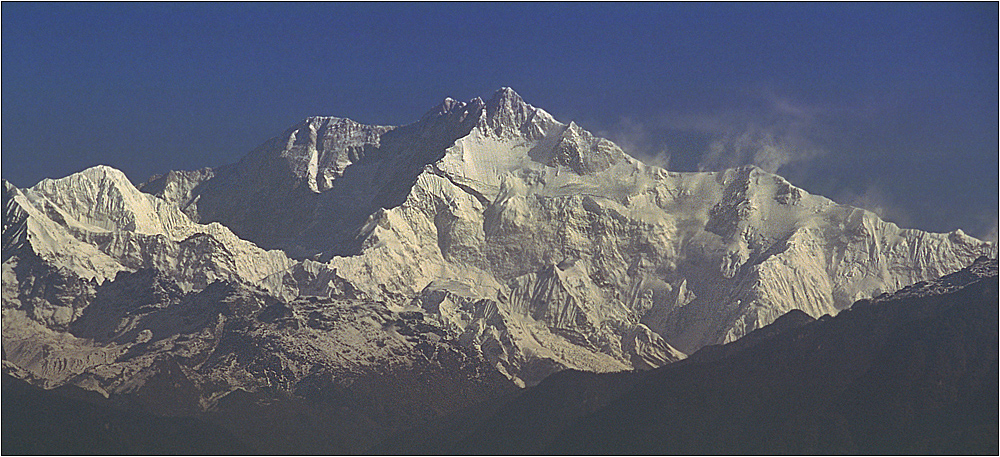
column 913, row 372
column 361, row 280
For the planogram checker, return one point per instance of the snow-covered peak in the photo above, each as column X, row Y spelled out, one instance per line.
column 319, row 148
column 96, row 173
column 325, row 132
column 507, row 115
column 505, row 92
column 316, row 152
column 450, row 105
column 506, row 97
column 103, row 197
column 177, row 186
column 569, row 253
column 582, row 151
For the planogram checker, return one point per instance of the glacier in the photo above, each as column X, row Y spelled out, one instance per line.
column 486, row 232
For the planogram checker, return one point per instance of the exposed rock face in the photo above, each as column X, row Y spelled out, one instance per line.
column 526, row 244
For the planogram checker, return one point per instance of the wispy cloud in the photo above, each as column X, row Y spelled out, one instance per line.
column 779, row 132
column 988, row 229
column 637, row 139
column 769, row 132
column 848, row 151
column 876, row 200
column 991, row 234
column 765, row 147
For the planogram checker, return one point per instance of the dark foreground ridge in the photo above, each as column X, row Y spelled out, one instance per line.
column 70, row 420
column 915, row 374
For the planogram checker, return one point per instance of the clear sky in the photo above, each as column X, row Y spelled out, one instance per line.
column 891, row 106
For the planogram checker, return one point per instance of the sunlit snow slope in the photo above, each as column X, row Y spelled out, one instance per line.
column 532, row 243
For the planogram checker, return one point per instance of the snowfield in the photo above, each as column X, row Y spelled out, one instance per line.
column 485, row 236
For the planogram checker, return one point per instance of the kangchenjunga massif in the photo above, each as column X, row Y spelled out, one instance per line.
column 360, row 280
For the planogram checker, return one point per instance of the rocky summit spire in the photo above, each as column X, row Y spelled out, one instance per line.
column 504, row 115
column 487, row 236
column 449, row 105
column 506, row 94
column 507, row 114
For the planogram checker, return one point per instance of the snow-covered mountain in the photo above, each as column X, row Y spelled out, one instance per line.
column 913, row 371
column 487, row 235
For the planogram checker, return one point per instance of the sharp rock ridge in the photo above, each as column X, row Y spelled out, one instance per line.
column 532, row 243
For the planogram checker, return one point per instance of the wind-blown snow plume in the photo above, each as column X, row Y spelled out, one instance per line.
column 876, row 200
column 770, row 132
column 990, row 234
column 635, row 138
column 485, row 242
column 783, row 133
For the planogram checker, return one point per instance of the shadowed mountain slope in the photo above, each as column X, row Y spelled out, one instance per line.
column 70, row 420
column 909, row 373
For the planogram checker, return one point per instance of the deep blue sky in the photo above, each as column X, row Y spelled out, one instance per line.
column 890, row 106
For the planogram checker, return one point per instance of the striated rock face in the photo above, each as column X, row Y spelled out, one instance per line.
column 910, row 372
column 524, row 244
